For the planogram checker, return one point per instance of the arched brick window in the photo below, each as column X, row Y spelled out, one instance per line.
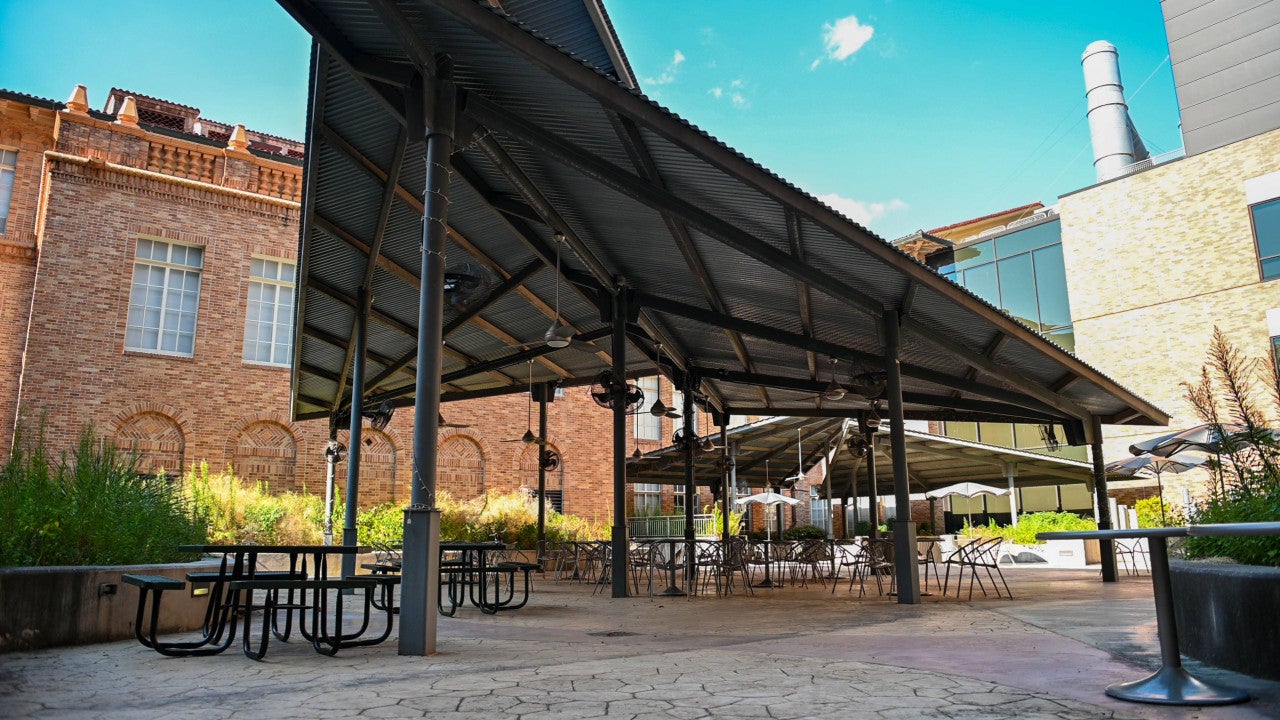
column 266, row 451
column 461, row 468
column 157, row 441
column 555, row 478
column 378, row 457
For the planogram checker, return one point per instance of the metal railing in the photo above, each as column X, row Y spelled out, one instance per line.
column 657, row 526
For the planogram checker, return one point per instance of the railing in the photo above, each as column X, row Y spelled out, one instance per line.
column 670, row 526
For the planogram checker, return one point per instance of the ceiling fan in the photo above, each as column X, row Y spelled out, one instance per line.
column 466, row 285
column 607, row 392
column 558, row 335
column 679, row 438
column 660, row 409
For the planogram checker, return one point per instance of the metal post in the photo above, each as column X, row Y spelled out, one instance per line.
column 733, row 477
column 421, row 559
column 725, row 503
column 1010, row 472
column 542, row 475
column 333, row 454
column 357, row 420
column 904, row 529
column 690, row 446
column 1107, row 547
column 831, row 502
column 620, row 548
column 873, row 486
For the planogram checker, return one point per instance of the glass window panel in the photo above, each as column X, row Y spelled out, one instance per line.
column 133, row 335
column 1065, row 338
column 1018, row 290
column 8, row 158
column 962, row 430
column 996, row 434
column 186, row 344
column 150, row 338
column 1271, row 268
column 1051, row 288
column 287, row 271
column 270, row 269
column 1266, row 229
column 144, row 248
column 982, row 281
column 255, row 267
column 975, row 254
column 1028, row 239
column 1076, row 497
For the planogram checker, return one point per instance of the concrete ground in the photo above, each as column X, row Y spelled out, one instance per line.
column 788, row 653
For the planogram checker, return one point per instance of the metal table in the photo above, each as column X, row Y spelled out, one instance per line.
column 1171, row 684
column 1249, row 529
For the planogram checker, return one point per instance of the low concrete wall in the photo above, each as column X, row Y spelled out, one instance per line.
column 1227, row 615
column 48, row 606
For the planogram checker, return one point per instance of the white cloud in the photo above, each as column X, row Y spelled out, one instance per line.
column 843, row 38
column 863, row 213
column 668, row 75
column 739, row 101
column 716, row 92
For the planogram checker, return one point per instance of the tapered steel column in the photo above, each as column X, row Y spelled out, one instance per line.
column 690, row 447
column 1107, row 547
column 542, row 475
column 421, row 561
column 725, row 502
column 352, row 497
column 904, row 529
column 618, row 564
column 873, row 484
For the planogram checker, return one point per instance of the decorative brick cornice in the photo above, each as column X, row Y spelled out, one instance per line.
column 159, row 185
column 18, row 252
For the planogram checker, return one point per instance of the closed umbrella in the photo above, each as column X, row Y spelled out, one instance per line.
column 966, row 489
column 1146, row 462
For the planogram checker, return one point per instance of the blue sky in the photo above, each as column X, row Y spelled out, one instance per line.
column 903, row 114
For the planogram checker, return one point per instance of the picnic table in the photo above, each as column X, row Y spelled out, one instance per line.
column 305, row 591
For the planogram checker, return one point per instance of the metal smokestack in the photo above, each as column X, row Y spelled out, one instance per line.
column 1116, row 144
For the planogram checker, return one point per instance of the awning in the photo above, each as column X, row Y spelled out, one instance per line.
column 751, row 285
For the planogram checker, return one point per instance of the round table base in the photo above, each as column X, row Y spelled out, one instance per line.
column 1174, row 686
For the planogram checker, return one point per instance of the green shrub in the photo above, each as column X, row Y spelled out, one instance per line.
column 1029, row 525
column 1238, row 505
column 1149, row 516
column 239, row 511
column 862, row 528
column 90, row 509
column 804, row 532
column 379, row 524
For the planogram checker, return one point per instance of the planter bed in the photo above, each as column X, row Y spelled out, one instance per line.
column 1227, row 615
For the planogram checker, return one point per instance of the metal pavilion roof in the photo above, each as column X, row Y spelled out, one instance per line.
column 768, row 452
column 750, row 284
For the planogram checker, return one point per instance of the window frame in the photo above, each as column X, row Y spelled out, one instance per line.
column 168, row 265
column 650, row 493
column 7, row 202
column 1253, row 232
column 643, row 420
column 275, row 322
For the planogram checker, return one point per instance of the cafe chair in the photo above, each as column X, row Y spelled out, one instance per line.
column 1131, row 552
column 980, row 555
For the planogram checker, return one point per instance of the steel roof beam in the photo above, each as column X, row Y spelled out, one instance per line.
column 371, row 258
column 803, row 300
column 634, row 144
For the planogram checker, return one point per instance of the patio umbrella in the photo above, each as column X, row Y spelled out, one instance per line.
column 966, row 489
column 1146, row 462
column 768, row 499
column 1201, row 438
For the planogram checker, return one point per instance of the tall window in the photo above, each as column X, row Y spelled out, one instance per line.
column 648, row 498
column 648, row 427
column 268, row 325
column 678, row 492
column 164, row 297
column 8, row 168
column 1266, row 232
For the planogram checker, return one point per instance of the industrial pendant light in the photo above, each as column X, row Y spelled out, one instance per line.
column 529, row 437
column 557, row 336
column 659, row 408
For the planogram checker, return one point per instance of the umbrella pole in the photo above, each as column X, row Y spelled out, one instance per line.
column 1160, row 490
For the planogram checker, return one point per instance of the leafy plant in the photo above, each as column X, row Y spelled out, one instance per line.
column 1149, row 515
column 804, row 532
column 1245, row 476
column 1029, row 525
column 88, row 508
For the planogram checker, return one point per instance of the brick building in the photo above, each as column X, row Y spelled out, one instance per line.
column 146, row 288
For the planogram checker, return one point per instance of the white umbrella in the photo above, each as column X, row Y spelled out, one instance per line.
column 1146, row 462
column 768, row 499
column 966, row 489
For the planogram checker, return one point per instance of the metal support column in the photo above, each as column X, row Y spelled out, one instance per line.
column 725, row 502
column 419, row 589
column 690, row 447
column 873, row 485
column 352, row 496
column 904, row 529
column 1010, row 472
column 542, row 475
column 620, row 547
column 1107, row 547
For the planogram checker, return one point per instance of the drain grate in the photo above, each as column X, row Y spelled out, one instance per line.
column 612, row 633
